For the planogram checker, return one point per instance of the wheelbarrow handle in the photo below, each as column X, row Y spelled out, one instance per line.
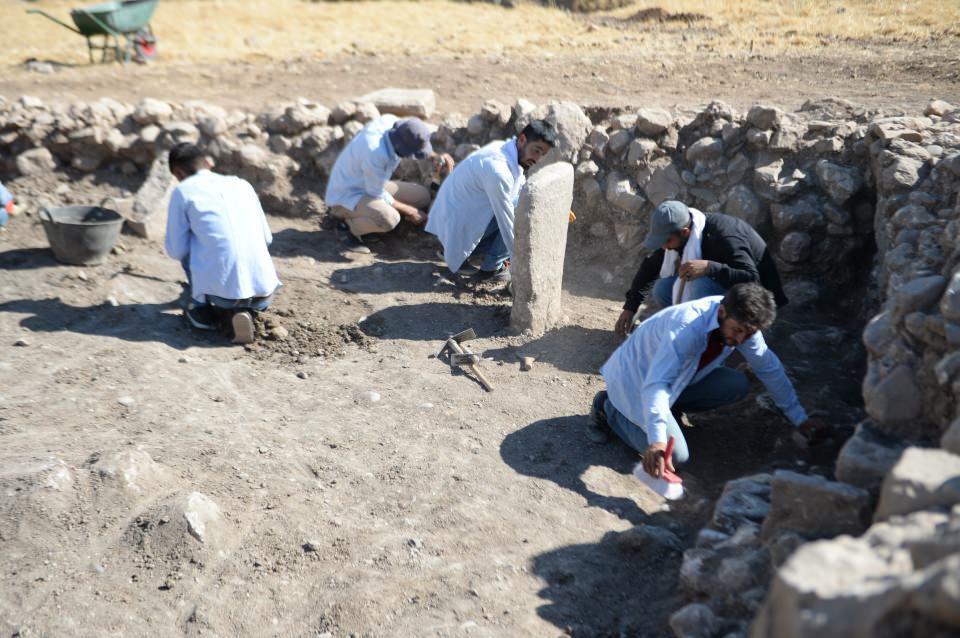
column 50, row 17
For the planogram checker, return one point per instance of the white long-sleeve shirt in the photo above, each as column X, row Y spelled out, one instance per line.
column 647, row 373
column 218, row 222
column 364, row 167
column 484, row 186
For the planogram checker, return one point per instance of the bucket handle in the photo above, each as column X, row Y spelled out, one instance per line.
column 46, row 216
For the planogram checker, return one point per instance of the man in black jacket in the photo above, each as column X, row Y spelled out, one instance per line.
column 695, row 256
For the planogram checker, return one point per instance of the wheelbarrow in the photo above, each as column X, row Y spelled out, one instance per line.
column 128, row 20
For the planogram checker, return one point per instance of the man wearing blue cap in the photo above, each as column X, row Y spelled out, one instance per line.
column 360, row 191
column 697, row 255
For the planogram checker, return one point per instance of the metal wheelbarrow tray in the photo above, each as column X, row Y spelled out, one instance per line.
column 129, row 19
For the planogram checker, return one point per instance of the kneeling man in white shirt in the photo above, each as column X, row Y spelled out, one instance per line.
column 473, row 213
column 216, row 228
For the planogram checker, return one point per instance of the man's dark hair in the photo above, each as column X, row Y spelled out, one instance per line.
column 187, row 157
column 751, row 304
column 540, row 131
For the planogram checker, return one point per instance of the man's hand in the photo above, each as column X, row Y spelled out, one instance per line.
column 444, row 164
column 409, row 213
column 694, row 269
column 814, row 430
column 655, row 458
column 624, row 325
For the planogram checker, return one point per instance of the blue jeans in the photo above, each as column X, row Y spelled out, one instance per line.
column 493, row 248
column 721, row 387
column 257, row 304
column 3, row 217
column 697, row 289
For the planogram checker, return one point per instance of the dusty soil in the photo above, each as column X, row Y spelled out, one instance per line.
column 463, row 83
column 436, row 509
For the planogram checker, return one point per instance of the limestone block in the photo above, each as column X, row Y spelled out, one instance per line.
column 951, row 438
column 618, row 141
column 743, row 204
column 743, row 501
column 35, row 161
column 572, row 126
column 706, row 148
column 840, row 182
column 651, row 122
column 764, row 117
column 496, row 113
column 695, row 620
column 148, row 217
column 343, row 111
column 902, row 174
column 540, row 239
column 950, row 302
column 403, row 102
column 938, row 108
column 867, row 457
column 664, row 183
column 795, row 247
column 815, row 507
column 840, row 588
column 894, row 399
column 623, row 194
column 152, row 111
column 921, row 479
column 918, row 294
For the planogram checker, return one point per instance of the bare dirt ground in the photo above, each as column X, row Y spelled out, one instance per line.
column 436, row 509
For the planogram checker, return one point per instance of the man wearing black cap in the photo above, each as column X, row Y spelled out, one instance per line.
column 360, row 191
column 695, row 256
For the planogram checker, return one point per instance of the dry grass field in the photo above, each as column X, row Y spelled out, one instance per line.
column 258, row 30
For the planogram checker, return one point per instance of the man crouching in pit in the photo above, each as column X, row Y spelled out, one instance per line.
column 217, row 230
column 673, row 363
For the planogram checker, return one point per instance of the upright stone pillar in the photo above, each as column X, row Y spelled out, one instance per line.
column 540, row 242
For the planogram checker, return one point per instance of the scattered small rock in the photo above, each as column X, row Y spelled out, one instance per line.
column 526, row 363
column 126, row 401
column 302, row 375
column 21, row 343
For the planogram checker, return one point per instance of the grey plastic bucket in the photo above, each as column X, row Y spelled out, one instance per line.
column 81, row 235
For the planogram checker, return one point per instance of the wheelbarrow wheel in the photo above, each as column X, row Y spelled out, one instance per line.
column 145, row 45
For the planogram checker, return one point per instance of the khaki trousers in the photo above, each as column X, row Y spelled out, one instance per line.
column 374, row 215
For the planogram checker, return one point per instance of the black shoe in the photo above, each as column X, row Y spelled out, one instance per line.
column 202, row 317
column 599, row 431
column 500, row 275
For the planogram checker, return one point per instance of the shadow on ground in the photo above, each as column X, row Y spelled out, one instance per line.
column 387, row 277
column 27, row 258
column 436, row 321
column 609, row 588
column 132, row 322
column 570, row 348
